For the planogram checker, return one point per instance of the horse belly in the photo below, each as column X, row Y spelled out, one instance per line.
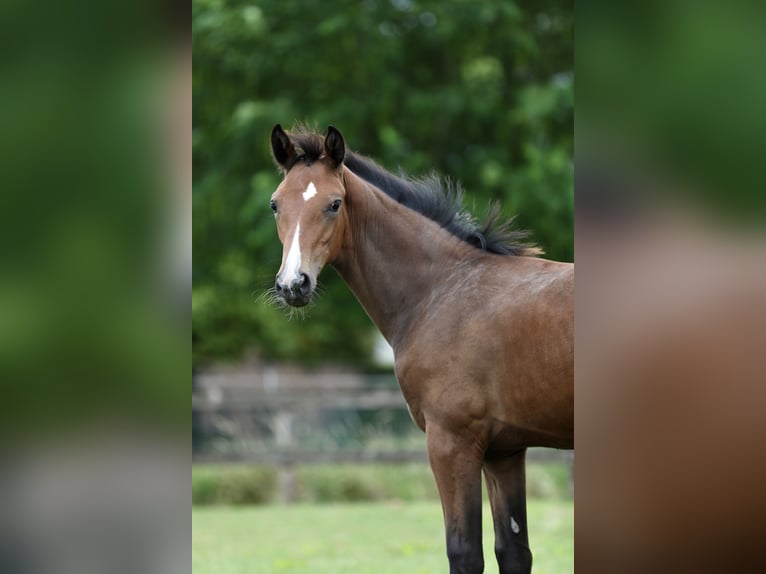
column 530, row 384
column 509, row 439
column 532, row 407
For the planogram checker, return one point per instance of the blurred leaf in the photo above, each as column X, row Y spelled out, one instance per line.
column 480, row 93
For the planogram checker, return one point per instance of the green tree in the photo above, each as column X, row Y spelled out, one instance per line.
column 479, row 91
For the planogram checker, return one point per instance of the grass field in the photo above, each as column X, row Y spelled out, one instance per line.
column 361, row 538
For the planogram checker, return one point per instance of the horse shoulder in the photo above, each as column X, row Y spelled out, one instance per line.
column 438, row 382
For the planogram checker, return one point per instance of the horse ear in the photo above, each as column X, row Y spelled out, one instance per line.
column 281, row 147
column 334, row 146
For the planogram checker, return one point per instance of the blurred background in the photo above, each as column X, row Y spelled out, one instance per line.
column 95, row 273
column 481, row 93
column 670, row 316
column 306, row 409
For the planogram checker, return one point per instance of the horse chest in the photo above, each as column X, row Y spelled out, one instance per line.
column 417, row 416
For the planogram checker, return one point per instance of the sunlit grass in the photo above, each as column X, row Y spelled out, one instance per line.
column 364, row 538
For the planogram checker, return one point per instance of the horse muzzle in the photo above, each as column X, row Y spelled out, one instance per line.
column 297, row 292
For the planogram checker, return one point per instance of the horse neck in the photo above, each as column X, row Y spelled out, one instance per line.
column 392, row 257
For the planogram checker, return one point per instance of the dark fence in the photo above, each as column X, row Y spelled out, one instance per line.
column 290, row 420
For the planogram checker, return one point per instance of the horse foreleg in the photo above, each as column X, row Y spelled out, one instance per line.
column 507, row 497
column 457, row 469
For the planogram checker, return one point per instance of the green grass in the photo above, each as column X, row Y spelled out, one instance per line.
column 363, row 538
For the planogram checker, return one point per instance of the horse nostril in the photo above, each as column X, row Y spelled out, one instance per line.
column 305, row 285
column 277, row 287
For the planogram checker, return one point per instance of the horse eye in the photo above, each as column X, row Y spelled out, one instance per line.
column 335, row 206
column 273, row 205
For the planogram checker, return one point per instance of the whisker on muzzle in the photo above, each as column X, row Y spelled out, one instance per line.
column 299, row 313
column 269, row 296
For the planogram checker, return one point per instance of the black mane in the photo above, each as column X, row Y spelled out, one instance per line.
column 438, row 199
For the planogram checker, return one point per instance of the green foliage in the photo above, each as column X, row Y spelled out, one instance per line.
column 548, row 480
column 328, row 485
column 242, row 486
column 355, row 483
column 233, row 485
column 480, row 92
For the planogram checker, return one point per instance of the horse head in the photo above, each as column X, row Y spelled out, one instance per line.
column 308, row 208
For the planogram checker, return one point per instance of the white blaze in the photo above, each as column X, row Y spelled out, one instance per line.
column 310, row 192
column 293, row 261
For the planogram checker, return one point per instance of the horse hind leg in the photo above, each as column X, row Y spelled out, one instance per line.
column 457, row 470
column 507, row 496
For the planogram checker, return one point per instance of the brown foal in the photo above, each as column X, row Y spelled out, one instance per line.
column 482, row 330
